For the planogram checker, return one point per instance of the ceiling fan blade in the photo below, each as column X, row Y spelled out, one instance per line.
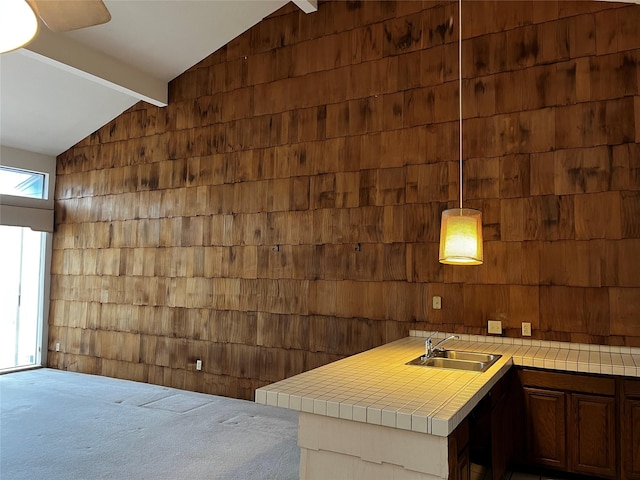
column 66, row 15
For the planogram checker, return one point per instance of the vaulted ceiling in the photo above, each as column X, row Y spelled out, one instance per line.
column 63, row 86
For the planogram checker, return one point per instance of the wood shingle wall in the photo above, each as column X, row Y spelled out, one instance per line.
column 284, row 210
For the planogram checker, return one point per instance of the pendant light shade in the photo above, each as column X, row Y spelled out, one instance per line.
column 461, row 237
column 18, row 24
column 461, row 228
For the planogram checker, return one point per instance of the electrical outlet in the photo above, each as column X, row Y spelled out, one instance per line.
column 198, row 364
column 437, row 302
column 494, row 326
column 57, row 347
column 526, row 329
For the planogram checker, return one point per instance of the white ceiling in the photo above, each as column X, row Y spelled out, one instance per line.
column 62, row 87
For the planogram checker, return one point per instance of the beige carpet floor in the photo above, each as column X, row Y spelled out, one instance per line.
column 64, row 425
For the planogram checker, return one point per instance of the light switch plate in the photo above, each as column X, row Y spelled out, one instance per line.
column 437, row 302
column 198, row 364
column 495, row 327
column 526, row 329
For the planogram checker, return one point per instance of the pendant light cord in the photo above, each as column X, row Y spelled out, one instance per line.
column 460, row 90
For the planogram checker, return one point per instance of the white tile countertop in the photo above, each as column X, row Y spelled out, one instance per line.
column 376, row 386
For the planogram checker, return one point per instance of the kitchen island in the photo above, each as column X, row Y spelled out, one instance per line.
column 371, row 416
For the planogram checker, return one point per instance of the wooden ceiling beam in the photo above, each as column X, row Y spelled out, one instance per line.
column 62, row 52
column 307, row 6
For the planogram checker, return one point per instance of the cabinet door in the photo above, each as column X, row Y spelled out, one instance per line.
column 546, row 427
column 593, row 435
column 630, row 426
column 459, row 461
column 503, row 412
column 463, row 470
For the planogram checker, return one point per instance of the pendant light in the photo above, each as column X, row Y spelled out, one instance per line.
column 18, row 24
column 461, row 228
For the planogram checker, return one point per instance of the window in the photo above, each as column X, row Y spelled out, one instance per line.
column 22, row 183
column 26, row 226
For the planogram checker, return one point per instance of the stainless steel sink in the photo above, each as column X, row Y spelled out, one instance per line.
column 460, row 355
column 458, row 360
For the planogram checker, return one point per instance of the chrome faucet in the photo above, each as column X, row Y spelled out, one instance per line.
column 428, row 345
column 430, row 348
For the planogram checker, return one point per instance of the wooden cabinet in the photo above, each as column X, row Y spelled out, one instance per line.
column 630, row 429
column 592, row 423
column 545, row 430
column 459, row 462
column 503, row 411
column 491, row 431
column 463, row 468
column 578, row 423
column 570, row 422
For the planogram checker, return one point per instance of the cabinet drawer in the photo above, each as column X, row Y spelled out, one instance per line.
column 631, row 387
column 568, row 382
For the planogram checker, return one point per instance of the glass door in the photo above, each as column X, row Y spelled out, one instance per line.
column 21, row 286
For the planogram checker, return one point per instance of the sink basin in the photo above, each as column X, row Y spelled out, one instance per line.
column 470, row 361
column 473, row 356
